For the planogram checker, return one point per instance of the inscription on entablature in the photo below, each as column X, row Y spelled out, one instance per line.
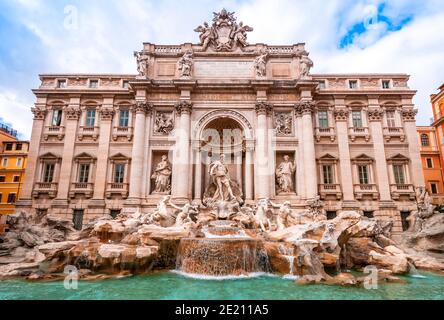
column 223, row 97
column 283, row 97
column 337, row 83
column 110, row 82
column 166, row 69
column 155, row 96
column 280, row 70
column 223, row 69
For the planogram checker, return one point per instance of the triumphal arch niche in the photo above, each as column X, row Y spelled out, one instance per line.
column 236, row 113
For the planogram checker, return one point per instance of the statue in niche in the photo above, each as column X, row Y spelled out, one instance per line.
column 186, row 64
column 142, row 63
column 284, row 175
column 223, row 195
column 260, row 65
column 284, row 212
column 306, row 65
column 283, row 124
column 162, row 176
column 164, row 123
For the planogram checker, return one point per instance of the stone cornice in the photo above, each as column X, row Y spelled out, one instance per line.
column 184, row 106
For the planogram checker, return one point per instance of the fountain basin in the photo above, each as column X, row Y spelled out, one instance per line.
column 221, row 256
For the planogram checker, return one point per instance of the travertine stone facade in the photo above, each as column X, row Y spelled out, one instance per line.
column 98, row 139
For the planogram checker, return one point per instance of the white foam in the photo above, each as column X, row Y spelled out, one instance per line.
column 219, row 278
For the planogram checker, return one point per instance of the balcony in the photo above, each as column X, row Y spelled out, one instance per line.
column 126, row 132
column 326, row 190
column 117, row 189
column 399, row 190
column 92, row 132
column 325, row 133
column 362, row 190
column 356, row 132
column 54, row 131
column 49, row 188
column 394, row 132
column 79, row 188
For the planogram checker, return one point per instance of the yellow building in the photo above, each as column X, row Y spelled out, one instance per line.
column 13, row 157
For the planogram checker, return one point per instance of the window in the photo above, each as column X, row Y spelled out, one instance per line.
column 1, row 196
column 119, row 173
column 125, row 84
column 16, row 179
column 322, row 84
column 364, row 177
column 327, row 172
column 357, row 119
column 369, row 214
column 61, row 84
column 5, row 162
column 434, row 188
column 353, row 84
column 2, row 179
column 48, row 172
column 12, row 197
column 385, row 84
column 425, row 141
column 18, row 146
column 404, row 220
column 331, row 215
column 398, row 171
column 57, row 117
column 8, row 147
column 90, row 118
column 19, row 162
column 429, row 163
column 323, row 119
column 124, row 118
column 84, row 173
column 391, row 121
column 93, row 84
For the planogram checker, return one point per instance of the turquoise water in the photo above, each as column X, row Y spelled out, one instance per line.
column 172, row 286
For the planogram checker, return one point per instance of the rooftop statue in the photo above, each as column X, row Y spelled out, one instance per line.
column 225, row 34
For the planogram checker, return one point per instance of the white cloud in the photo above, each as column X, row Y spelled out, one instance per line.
column 109, row 31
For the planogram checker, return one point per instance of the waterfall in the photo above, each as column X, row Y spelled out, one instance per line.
column 413, row 272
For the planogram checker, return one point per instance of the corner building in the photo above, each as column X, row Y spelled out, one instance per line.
column 98, row 139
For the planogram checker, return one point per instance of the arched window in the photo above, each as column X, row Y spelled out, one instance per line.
column 425, row 140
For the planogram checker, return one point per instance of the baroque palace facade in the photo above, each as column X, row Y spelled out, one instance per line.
column 106, row 143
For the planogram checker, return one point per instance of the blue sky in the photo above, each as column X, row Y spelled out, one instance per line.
column 99, row 36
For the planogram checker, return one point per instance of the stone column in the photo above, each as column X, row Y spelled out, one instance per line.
column 137, row 158
column 375, row 115
column 300, row 170
column 182, row 163
column 238, row 163
column 408, row 117
column 309, row 155
column 32, row 161
column 72, row 115
column 106, row 114
column 198, row 173
column 249, row 173
column 342, row 116
column 261, row 165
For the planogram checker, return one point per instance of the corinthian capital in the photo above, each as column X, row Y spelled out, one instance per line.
column 72, row 113
column 341, row 114
column 106, row 113
column 409, row 115
column 304, row 107
column 184, row 106
column 375, row 114
column 143, row 107
column 263, row 108
column 39, row 113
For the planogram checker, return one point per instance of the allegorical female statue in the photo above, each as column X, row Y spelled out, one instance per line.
column 162, row 177
column 284, row 175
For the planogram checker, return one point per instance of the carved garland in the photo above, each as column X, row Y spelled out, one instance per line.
column 184, row 106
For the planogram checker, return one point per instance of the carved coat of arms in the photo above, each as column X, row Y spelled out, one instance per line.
column 225, row 34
